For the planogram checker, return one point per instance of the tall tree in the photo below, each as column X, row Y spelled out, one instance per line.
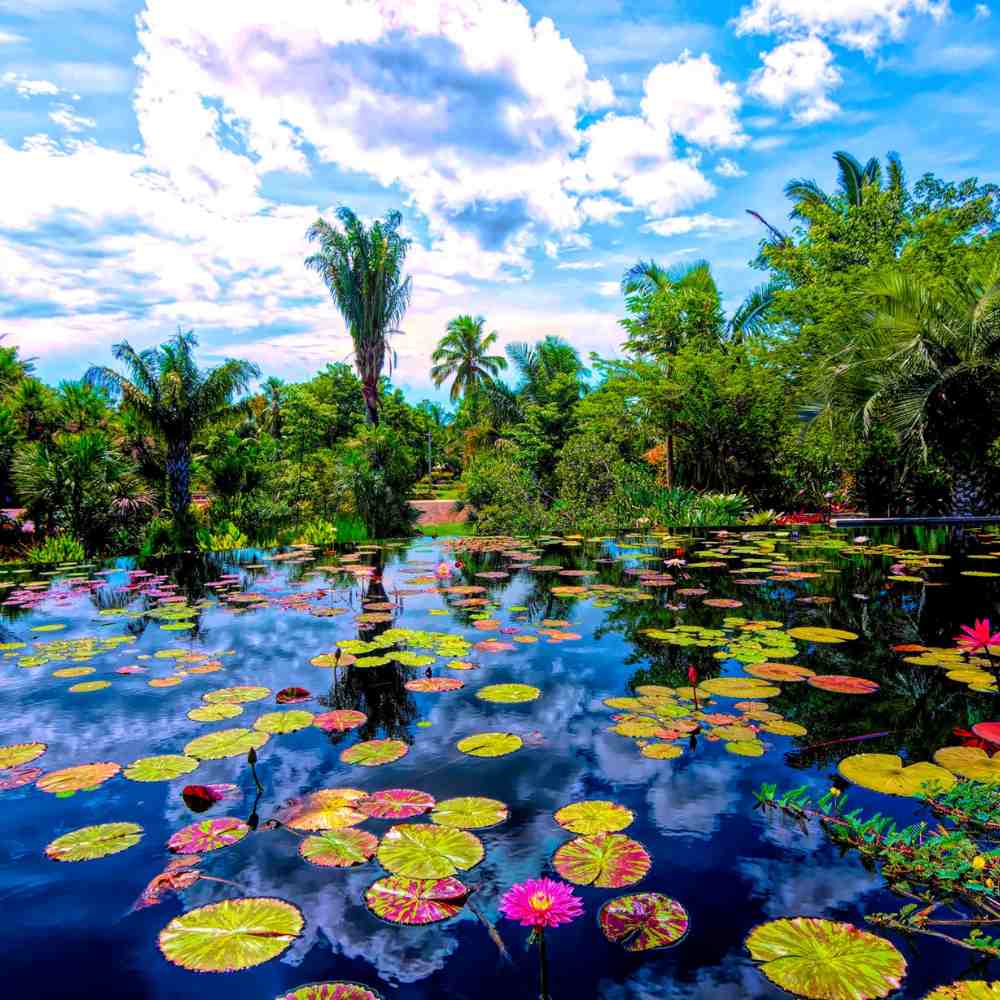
column 462, row 355
column 363, row 271
column 927, row 366
column 852, row 179
column 165, row 388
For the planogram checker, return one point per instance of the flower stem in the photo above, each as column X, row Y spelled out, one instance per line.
column 544, row 966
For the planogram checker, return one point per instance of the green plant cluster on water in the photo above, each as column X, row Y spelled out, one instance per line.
column 863, row 371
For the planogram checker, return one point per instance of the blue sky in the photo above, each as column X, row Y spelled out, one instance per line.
column 161, row 161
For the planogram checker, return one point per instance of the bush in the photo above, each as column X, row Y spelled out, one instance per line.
column 318, row 532
column 223, row 537
column 382, row 473
column 57, row 549
column 504, row 496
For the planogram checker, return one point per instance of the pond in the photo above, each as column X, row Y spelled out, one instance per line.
column 109, row 664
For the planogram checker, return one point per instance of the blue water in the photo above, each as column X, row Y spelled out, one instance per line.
column 69, row 929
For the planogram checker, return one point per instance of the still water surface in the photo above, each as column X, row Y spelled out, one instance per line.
column 70, row 929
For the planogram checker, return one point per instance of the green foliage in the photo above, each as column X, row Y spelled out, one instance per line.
column 503, row 495
column 318, row 532
column 56, row 549
column 462, row 355
column 382, row 472
column 951, row 865
column 222, row 537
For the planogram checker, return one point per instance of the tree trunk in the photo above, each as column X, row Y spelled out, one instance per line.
column 669, row 457
column 369, row 389
column 179, row 488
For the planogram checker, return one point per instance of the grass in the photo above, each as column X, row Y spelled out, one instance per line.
column 442, row 530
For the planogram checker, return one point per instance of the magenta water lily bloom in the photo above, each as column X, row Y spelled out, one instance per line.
column 541, row 902
column 978, row 636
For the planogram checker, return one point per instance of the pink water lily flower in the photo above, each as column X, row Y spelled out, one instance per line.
column 541, row 902
column 978, row 636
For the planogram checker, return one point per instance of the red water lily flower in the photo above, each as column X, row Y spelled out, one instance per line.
column 978, row 636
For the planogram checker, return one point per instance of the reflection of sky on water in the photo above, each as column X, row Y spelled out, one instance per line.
column 730, row 866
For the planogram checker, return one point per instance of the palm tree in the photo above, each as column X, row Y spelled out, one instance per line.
column 461, row 355
column 363, row 271
column 926, row 365
column 175, row 399
column 272, row 390
column 540, row 365
column 853, row 179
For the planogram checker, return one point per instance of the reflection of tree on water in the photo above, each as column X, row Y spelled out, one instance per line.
column 379, row 692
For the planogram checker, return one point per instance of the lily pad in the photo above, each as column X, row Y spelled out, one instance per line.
column 340, row 720
column 93, row 842
column 643, row 921
column 214, row 713
column 786, row 672
column 661, row 751
column 231, row 935
column 970, row 762
column 225, row 743
column 490, row 744
column 327, row 809
column 416, row 902
column 884, row 772
column 235, row 695
column 508, row 694
column 15, row 754
column 74, row 779
column 332, row 991
column 429, row 851
column 396, row 803
column 843, row 684
column 967, row 989
column 339, row 848
column 607, row 860
column 164, row 768
column 434, row 685
column 86, row 687
column 739, row 687
column 832, row 636
column 283, row 722
column 826, row 959
column 594, row 816
column 470, row 813
column 208, row 835
column 374, row 753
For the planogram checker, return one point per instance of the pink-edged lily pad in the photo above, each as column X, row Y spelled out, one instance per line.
column 396, row 803
column 843, row 684
column 643, row 921
column 607, row 860
column 339, row 848
column 434, row 685
column 208, row 835
column 340, row 720
column 416, row 902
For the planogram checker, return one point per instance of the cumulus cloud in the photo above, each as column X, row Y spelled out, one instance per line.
column 728, row 168
column 982, row 12
column 798, row 74
column 65, row 116
column 689, row 98
column 857, row 24
column 27, row 87
column 680, row 224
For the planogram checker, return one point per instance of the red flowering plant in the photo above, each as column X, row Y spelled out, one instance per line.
column 979, row 639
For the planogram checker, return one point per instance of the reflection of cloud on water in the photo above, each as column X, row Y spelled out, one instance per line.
column 695, row 798
column 736, row 979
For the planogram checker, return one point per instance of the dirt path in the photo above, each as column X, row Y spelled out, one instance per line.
column 439, row 512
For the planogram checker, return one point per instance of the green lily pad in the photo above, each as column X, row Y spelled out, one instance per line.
column 826, row 959
column 91, row 842
column 164, row 768
column 225, row 743
column 967, row 989
column 508, row 694
column 374, row 753
column 884, row 772
column 832, row 636
column 970, row 762
column 429, row 851
column 75, row 779
column 283, row 722
column 215, row 713
column 490, row 744
column 231, row 935
column 16, row 754
column 339, row 848
column 470, row 813
column 235, row 695
column 594, row 816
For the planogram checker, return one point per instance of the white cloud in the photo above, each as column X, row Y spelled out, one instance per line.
column 688, row 98
column 728, row 168
column 609, row 288
column 26, row 87
column 65, row 116
column 982, row 12
column 602, row 209
column 580, row 265
column 9, row 38
column 798, row 74
column 858, row 24
column 681, row 224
